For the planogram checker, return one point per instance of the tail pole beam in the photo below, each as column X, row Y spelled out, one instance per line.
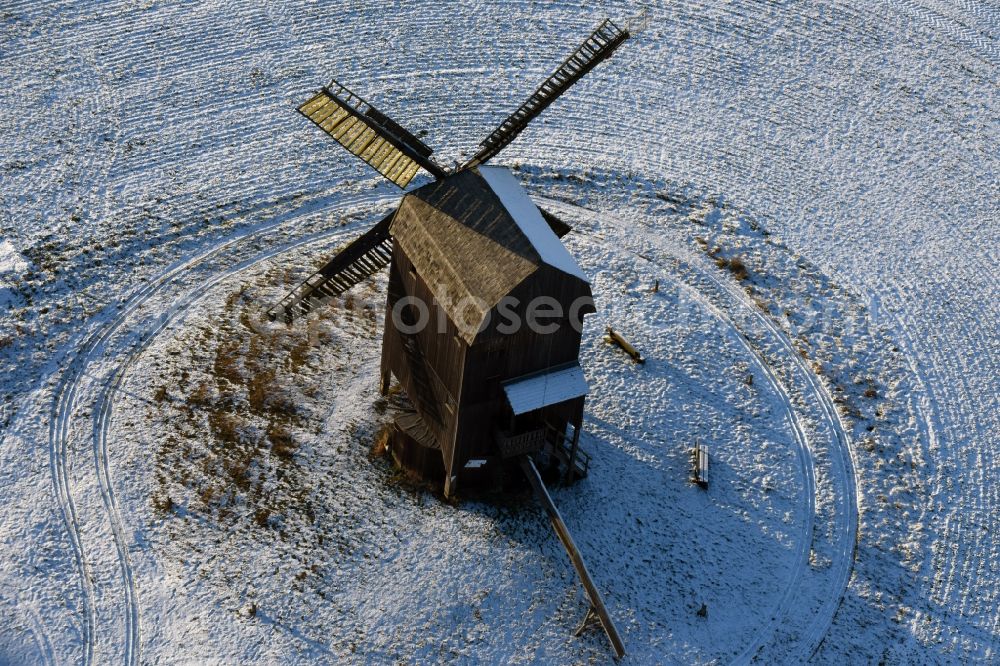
column 596, row 602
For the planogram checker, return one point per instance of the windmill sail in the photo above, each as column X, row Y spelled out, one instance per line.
column 597, row 47
column 365, row 256
column 559, row 228
column 368, row 133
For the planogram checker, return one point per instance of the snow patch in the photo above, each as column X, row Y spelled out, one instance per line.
column 530, row 220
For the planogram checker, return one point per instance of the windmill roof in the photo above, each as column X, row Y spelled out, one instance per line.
column 529, row 220
column 474, row 236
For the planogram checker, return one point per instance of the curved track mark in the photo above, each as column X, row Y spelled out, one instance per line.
column 65, row 403
column 844, row 468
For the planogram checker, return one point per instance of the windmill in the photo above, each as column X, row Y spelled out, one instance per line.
column 468, row 253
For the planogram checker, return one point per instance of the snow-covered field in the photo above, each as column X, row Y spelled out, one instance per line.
column 812, row 186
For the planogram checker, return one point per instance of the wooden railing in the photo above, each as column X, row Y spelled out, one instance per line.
column 512, row 445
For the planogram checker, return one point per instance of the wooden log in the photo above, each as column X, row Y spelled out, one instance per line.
column 615, row 337
column 596, row 602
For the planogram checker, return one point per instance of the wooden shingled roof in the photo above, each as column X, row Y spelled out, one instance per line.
column 465, row 244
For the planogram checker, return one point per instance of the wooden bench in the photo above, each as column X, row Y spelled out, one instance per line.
column 700, row 465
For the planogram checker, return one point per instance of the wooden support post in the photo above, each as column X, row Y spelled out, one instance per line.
column 571, row 468
column 586, row 620
column 596, row 602
column 385, row 363
column 450, row 485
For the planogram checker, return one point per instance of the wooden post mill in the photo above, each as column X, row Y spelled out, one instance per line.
column 484, row 310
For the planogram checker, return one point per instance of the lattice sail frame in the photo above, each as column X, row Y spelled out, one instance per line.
column 596, row 48
column 398, row 155
column 369, row 134
column 363, row 257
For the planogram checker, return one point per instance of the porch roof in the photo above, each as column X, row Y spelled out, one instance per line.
column 526, row 394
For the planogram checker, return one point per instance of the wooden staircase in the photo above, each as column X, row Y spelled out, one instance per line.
column 425, row 399
column 365, row 256
column 597, row 47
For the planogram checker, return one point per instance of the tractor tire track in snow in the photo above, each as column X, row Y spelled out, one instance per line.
column 803, row 452
column 846, row 517
column 842, row 459
column 66, row 403
column 37, row 626
column 941, row 21
column 101, row 341
column 64, row 407
column 688, row 271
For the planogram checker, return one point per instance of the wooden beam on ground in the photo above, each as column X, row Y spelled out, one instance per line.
column 596, row 602
column 615, row 337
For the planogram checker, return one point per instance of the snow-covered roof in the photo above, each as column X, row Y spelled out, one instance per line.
column 528, row 218
column 474, row 237
column 547, row 388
